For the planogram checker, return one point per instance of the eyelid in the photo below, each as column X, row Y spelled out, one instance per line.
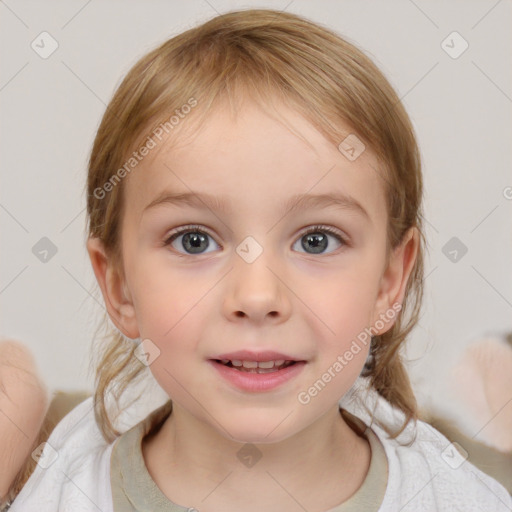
column 186, row 229
column 327, row 229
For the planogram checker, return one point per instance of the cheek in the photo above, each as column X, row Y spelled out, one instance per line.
column 345, row 301
column 170, row 316
column 169, row 313
column 165, row 298
column 172, row 307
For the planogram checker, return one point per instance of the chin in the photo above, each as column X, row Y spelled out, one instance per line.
column 257, row 428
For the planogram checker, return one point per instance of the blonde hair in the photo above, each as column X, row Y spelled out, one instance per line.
column 262, row 54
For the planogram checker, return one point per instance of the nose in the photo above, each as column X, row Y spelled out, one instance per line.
column 257, row 291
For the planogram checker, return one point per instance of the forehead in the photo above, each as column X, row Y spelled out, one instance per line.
column 255, row 158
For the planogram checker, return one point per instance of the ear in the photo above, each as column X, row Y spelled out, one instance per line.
column 396, row 275
column 115, row 292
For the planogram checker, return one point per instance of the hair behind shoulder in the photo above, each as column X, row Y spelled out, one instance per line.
column 265, row 54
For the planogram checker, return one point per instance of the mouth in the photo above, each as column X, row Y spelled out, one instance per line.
column 257, row 372
column 259, row 367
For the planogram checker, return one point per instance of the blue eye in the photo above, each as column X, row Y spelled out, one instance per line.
column 195, row 240
column 316, row 238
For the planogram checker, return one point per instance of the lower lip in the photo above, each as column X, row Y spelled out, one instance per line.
column 248, row 381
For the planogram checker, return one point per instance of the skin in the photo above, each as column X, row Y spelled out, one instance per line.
column 310, row 306
column 24, row 400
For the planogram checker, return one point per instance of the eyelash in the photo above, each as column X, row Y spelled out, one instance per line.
column 326, row 229
column 313, row 229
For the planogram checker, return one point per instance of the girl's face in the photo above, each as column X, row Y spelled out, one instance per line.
column 244, row 274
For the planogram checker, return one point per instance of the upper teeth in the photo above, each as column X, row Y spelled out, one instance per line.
column 255, row 364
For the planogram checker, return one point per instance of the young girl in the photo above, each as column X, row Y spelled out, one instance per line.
column 254, row 205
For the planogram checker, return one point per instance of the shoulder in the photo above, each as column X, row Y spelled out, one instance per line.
column 425, row 470
column 73, row 467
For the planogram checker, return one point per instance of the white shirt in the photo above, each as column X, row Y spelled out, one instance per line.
column 427, row 475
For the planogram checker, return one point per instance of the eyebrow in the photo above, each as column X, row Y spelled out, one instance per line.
column 295, row 203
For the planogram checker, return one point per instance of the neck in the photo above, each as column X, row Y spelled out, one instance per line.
column 187, row 458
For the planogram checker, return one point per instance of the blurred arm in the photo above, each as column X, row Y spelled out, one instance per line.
column 23, row 404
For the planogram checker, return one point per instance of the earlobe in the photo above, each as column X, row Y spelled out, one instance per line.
column 396, row 275
column 113, row 288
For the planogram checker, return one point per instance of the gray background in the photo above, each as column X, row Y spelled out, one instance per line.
column 460, row 107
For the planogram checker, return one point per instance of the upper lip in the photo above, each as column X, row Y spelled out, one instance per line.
column 266, row 355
